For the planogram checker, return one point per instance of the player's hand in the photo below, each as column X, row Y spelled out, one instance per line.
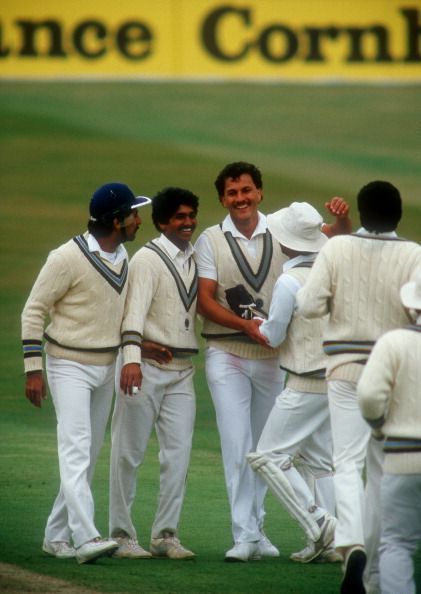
column 131, row 378
column 251, row 328
column 338, row 207
column 35, row 388
column 156, row 352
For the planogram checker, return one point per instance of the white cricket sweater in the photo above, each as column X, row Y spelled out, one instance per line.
column 83, row 295
column 356, row 279
column 301, row 353
column 389, row 394
column 257, row 275
column 161, row 307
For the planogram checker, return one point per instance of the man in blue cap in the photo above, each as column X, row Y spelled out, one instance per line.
column 82, row 288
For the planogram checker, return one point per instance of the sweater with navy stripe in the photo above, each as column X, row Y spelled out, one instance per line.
column 389, row 395
column 82, row 296
column 161, row 307
column 356, row 280
column 258, row 275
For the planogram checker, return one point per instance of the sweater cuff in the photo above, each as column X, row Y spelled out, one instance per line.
column 131, row 354
column 32, row 355
column 131, row 341
column 32, row 364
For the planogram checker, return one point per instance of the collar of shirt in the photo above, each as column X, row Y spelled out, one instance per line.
column 180, row 257
column 386, row 234
column 228, row 225
column 114, row 257
column 298, row 260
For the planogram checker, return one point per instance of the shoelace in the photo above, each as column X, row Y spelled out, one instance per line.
column 64, row 546
column 175, row 542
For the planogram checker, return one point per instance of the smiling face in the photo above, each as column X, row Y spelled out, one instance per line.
column 180, row 226
column 242, row 198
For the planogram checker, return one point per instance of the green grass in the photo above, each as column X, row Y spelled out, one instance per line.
column 59, row 142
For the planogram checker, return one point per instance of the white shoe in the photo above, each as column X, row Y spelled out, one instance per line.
column 129, row 548
column 306, row 555
column 327, row 535
column 93, row 549
column 169, row 546
column 242, row 552
column 330, row 555
column 59, row 549
column 314, row 551
column 266, row 548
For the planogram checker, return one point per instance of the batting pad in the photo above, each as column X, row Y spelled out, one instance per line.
column 281, row 488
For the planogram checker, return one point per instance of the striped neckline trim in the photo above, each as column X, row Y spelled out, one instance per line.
column 116, row 280
column 255, row 280
column 187, row 296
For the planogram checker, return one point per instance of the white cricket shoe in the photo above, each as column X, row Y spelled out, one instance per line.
column 306, row 555
column 266, row 548
column 93, row 549
column 242, row 552
column 59, row 549
column 327, row 534
column 330, row 555
column 129, row 548
column 169, row 546
column 316, row 549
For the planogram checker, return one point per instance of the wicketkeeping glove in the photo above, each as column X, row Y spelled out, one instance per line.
column 242, row 303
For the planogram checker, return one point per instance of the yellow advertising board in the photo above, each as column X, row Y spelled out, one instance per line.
column 233, row 39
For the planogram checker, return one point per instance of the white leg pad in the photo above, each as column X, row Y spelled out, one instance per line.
column 281, row 488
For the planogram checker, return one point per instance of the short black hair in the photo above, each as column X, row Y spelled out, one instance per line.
column 234, row 171
column 104, row 226
column 166, row 203
column 100, row 229
column 380, row 206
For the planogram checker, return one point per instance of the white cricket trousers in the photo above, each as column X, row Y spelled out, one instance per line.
column 373, row 513
column 82, row 397
column 299, row 423
column 243, row 393
column 351, row 439
column 167, row 402
column 401, row 532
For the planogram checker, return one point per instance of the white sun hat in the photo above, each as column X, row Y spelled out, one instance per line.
column 411, row 292
column 298, row 227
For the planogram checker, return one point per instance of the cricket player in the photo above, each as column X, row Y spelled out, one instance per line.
column 389, row 395
column 239, row 263
column 159, row 342
column 299, row 423
column 355, row 281
column 82, row 288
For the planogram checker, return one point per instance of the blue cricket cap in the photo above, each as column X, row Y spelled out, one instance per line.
column 114, row 200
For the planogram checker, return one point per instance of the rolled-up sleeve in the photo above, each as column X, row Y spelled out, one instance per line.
column 205, row 258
